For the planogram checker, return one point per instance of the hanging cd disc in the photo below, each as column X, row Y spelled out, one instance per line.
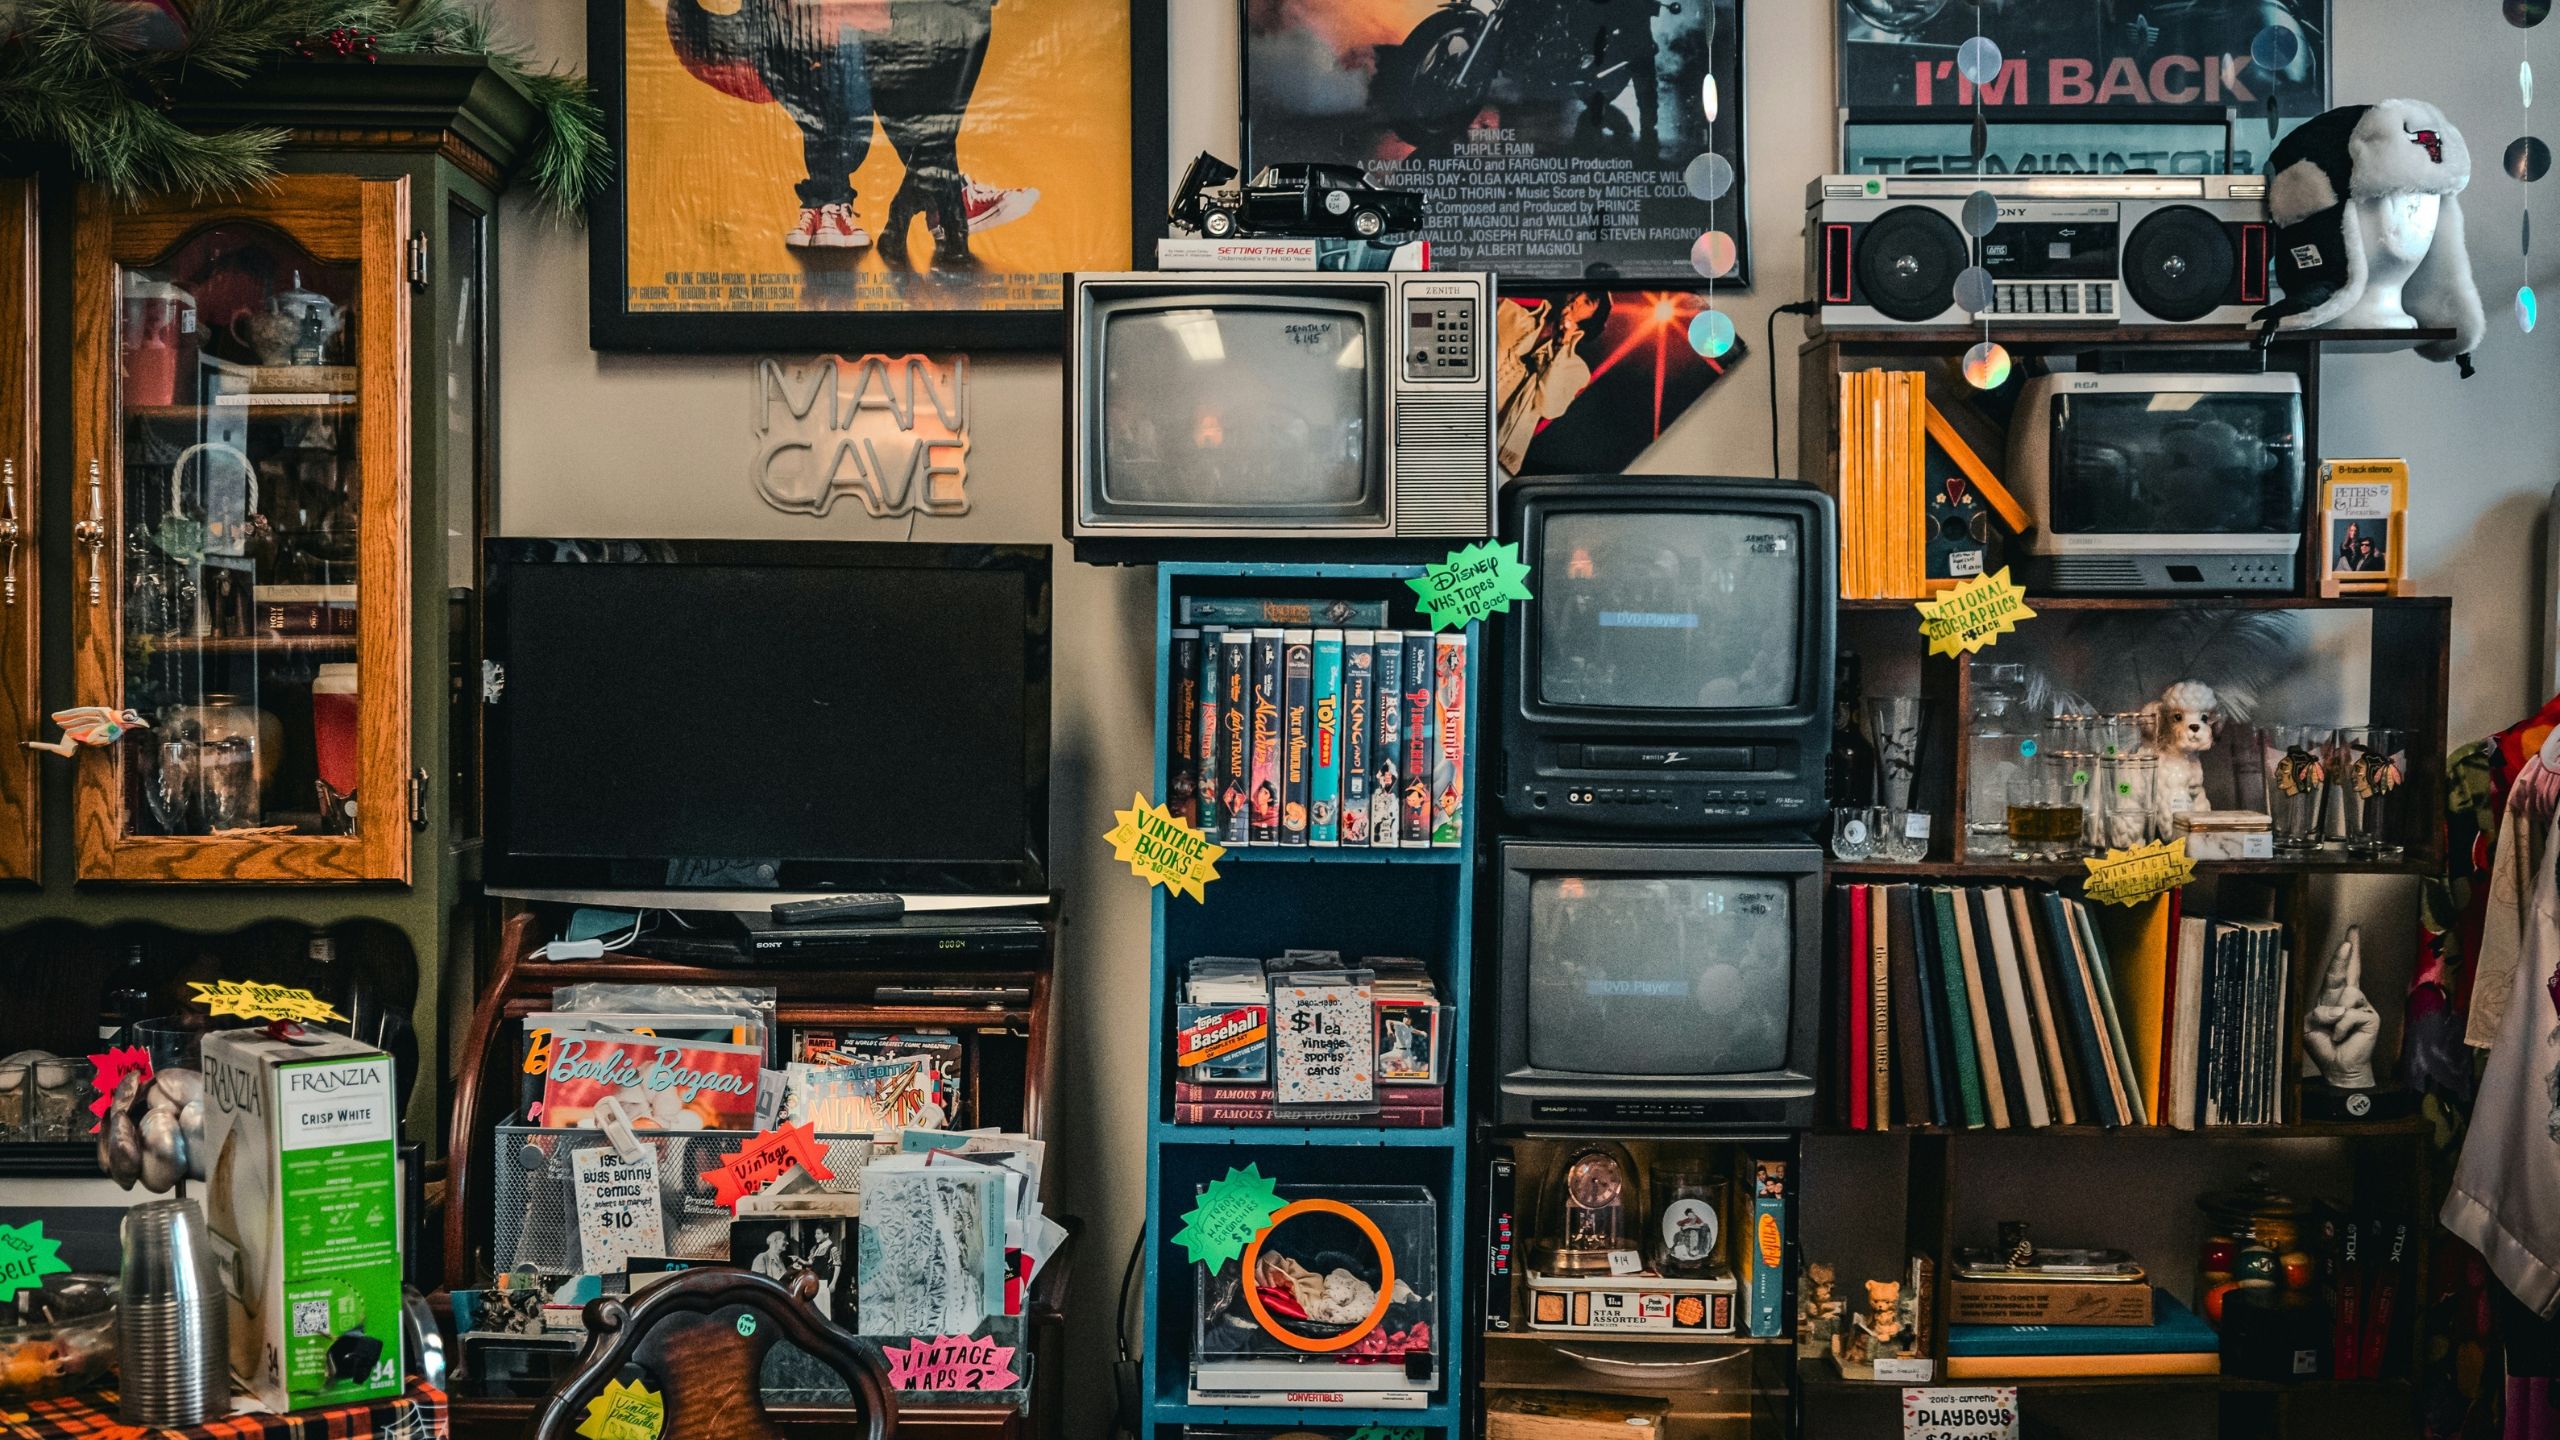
column 1986, row 366
column 1713, row 255
column 2525, row 14
column 1709, row 176
column 1978, row 60
column 2276, row 47
column 2528, row 309
column 1973, row 290
column 2528, row 159
column 1711, row 334
column 1981, row 212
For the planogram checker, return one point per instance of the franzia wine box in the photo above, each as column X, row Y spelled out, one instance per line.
column 304, row 1206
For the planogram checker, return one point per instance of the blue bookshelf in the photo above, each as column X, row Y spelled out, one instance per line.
column 1363, row 902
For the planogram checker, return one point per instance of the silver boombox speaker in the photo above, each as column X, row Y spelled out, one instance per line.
column 1885, row 250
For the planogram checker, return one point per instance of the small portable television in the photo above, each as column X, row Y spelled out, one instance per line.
column 1215, row 413
column 1648, row 984
column 2161, row 483
column 1674, row 671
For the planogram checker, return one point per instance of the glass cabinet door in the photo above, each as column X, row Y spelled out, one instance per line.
column 21, row 696
column 240, row 584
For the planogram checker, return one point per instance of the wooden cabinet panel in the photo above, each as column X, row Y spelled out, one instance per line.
column 241, row 502
column 21, row 597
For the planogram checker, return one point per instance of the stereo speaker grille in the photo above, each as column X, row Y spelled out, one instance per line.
column 1443, row 465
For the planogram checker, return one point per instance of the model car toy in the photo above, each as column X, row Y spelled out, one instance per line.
column 1293, row 199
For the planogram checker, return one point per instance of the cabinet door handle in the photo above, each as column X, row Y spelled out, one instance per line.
column 92, row 532
column 12, row 534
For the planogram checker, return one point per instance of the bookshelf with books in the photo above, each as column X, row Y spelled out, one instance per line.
column 1311, row 909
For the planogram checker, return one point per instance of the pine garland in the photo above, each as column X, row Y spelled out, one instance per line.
column 75, row 73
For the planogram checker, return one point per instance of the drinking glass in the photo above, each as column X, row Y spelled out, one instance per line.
column 2371, row 765
column 2292, row 756
column 2046, row 804
column 2123, row 792
column 1903, row 837
column 1893, row 723
column 1853, row 832
column 2121, row 733
column 1999, row 688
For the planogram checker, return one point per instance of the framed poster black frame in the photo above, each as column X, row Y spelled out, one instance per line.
column 612, row 326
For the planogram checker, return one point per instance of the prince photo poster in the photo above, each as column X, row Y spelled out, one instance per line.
column 868, row 174
column 1555, row 141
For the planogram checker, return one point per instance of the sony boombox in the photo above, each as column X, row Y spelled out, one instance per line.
column 2065, row 249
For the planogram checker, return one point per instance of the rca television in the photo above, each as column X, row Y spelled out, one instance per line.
column 1645, row 984
column 1674, row 671
column 746, row 715
column 1216, row 414
column 2157, row 484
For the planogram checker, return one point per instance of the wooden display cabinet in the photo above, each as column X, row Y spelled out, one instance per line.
column 252, row 440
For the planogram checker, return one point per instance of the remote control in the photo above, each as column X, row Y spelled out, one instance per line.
column 868, row 906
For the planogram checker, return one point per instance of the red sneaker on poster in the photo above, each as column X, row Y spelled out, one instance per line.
column 827, row 227
column 989, row 206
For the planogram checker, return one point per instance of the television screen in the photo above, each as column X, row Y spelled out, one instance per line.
column 848, row 713
column 1263, row 407
column 1663, row 975
column 2177, row 463
column 1670, row 610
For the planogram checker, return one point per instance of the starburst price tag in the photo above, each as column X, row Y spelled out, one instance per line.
column 2146, row 872
column 26, row 1257
column 951, row 1362
column 1474, row 582
column 1973, row 615
column 111, row 1066
column 625, row 1412
column 256, row 1000
column 767, row 1158
column 1162, row 850
column 1231, row 1212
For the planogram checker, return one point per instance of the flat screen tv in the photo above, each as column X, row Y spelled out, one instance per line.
column 1674, row 672
column 738, row 715
column 1651, row 984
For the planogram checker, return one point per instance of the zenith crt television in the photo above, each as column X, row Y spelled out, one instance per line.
column 767, row 715
column 1217, row 414
column 1674, row 672
column 1650, row 984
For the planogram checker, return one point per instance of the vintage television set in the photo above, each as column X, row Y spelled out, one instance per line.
column 1650, row 984
column 1220, row 415
column 720, row 715
column 2160, row 483
column 1674, row 671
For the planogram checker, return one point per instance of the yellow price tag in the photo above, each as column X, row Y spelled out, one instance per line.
column 256, row 1000
column 1973, row 615
column 1162, row 850
column 625, row 1412
column 2146, row 872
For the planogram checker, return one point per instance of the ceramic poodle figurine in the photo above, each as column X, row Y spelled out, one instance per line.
column 2181, row 730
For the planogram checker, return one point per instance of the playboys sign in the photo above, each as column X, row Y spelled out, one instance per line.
column 891, row 431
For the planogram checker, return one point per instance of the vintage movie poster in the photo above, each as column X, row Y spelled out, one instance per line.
column 1551, row 139
column 1585, row 380
column 2085, row 86
column 863, row 157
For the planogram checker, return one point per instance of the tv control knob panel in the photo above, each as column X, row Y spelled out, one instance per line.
column 1441, row 331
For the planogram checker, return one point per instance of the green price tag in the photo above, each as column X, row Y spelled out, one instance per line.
column 26, row 1257
column 1474, row 582
column 1230, row 1213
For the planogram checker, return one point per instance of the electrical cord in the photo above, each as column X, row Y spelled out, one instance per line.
column 1801, row 307
column 1124, row 1375
column 594, row 949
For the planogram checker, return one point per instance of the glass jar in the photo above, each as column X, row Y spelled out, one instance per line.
column 1994, row 752
column 2296, row 775
column 1689, row 1230
column 2257, row 1248
column 2370, row 765
column 2046, row 806
column 2123, row 795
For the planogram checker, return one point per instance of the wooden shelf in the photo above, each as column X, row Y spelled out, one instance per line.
column 258, row 644
column 2018, row 336
column 2072, row 604
column 1524, row 1335
column 1957, row 870
column 295, row 409
column 1816, row 1375
column 2404, row 1128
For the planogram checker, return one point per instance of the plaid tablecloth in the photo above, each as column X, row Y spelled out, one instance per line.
column 91, row 1415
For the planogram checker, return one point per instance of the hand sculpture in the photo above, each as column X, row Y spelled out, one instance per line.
column 2341, row 1028
column 154, row 1130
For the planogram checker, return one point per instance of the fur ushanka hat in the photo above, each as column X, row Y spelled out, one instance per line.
column 2356, row 152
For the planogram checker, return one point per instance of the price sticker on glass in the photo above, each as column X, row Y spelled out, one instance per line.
column 1939, row 1413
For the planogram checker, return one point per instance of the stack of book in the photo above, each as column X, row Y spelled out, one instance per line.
column 2016, row 1007
column 1300, row 722
column 2174, row 1343
column 1883, row 438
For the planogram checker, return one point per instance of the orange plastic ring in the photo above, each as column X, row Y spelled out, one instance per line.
column 1386, row 1278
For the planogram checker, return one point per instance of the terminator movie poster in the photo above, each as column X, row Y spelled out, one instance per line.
column 859, row 156
column 2085, row 86
column 1550, row 138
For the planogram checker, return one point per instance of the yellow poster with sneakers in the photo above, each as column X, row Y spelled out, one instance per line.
column 785, row 156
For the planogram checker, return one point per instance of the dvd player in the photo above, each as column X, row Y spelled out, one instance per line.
column 914, row 935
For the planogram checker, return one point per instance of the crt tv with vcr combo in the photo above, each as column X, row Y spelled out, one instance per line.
column 1646, row 984
column 1674, row 672
column 2061, row 249
column 1214, row 414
